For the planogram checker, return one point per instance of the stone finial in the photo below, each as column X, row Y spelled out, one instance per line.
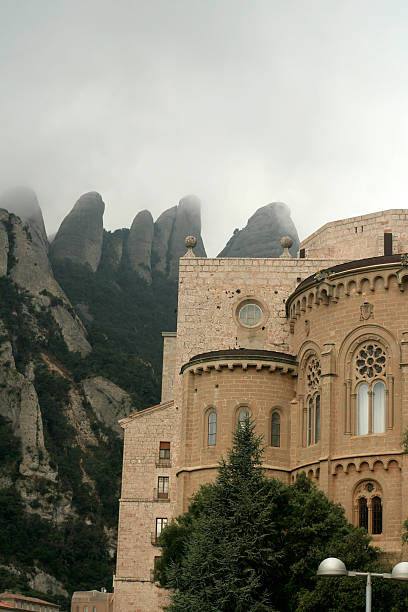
column 286, row 242
column 190, row 242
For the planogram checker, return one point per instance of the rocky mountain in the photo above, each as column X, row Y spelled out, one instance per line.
column 262, row 234
column 81, row 347
column 80, row 236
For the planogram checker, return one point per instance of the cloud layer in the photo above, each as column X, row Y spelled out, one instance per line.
column 242, row 103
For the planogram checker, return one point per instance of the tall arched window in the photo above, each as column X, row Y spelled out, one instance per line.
column 275, row 429
column 317, row 419
column 376, row 509
column 368, row 506
column 242, row 417
column 363, row 513
column 363, row 409
column 312, row 393
column 309, row 421
column 212, row 429
column 370, row 368
column 379, row 407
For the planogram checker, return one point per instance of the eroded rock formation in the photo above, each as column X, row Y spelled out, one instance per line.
column 80, row 236
column 262, row 234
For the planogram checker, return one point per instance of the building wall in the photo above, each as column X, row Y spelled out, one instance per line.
column 169, row 365
column 325, row 322
column 139, row 505
column 359, row 237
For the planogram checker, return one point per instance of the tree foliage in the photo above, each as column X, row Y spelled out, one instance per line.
column 250, row 543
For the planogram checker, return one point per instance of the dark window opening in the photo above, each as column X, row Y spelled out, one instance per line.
column 377, row 515
column 275, row 435
column 363, row 513
column 164, row 450
column 302, row 253
column 387, row 243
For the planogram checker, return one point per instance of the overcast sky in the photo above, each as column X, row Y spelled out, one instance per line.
column 240, row 102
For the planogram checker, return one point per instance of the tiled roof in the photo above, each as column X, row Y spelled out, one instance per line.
column 7, row 595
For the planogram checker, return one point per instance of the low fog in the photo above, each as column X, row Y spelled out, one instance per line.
column 240, row 102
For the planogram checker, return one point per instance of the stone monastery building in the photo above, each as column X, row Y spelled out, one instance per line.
column 315, row 349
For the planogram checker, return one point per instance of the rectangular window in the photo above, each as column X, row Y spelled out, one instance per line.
column 163, row 487
column 85, row 608
column 387, row 243
column 93, row 608
column 164, row 450
column 160, row 525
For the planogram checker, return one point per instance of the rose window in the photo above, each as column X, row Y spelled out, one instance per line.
column 371, row 361
column 313, row 372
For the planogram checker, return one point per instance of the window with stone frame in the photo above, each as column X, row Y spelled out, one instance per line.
column 312, row 393
column 370, row 377
column 212, row 428
column 368, row 507
column 275, row 429
column 163, row 487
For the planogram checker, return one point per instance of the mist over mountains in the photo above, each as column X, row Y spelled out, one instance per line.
column 80, row 347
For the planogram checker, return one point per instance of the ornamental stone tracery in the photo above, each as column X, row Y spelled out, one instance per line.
column 370, row 362
column 313, row 372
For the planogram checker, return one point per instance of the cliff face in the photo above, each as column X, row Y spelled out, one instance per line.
column 262, row 234
column 60, row 443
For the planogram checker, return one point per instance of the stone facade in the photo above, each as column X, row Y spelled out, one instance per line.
column 315, row 349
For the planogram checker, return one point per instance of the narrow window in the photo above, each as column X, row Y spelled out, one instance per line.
column 163, row 487
column 317, row 419
column 387, row 243
column 85, row 608
column 302, row 253
column 275, row 437
column 377, row 515
column 160, row 525
column 212, row 429
column 362, row 409
column 309, row 422
column 379, row 407
column 164, row 451
column 362, row 513
column 242, row 417
column 93, row 608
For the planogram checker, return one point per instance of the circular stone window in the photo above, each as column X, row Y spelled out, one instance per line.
column 250, row 315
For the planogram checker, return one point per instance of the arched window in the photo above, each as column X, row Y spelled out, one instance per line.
column 242, row 417
column 275, row 429
column 309, row 422
column 379, row 407
column 363, row 513
column 212, row 429
column 363, row 409
column 317, row 419
column 312, row 393
column 376, row 508
column 368, row 506
column 370, row 366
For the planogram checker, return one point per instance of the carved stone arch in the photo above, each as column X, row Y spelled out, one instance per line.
column 378, row 465
column 379, row 282
column 339, row 290
column 339, row 469
column 359, row 490
column 364, row 333
column 351, row 468
column 393, row 465
column 351, row 287
column 365, row 283
column 364, row 467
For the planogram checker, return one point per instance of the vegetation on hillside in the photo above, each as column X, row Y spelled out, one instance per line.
column 249, row 543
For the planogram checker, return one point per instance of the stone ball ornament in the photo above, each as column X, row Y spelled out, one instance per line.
column 190, row 242
column 286, row 242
